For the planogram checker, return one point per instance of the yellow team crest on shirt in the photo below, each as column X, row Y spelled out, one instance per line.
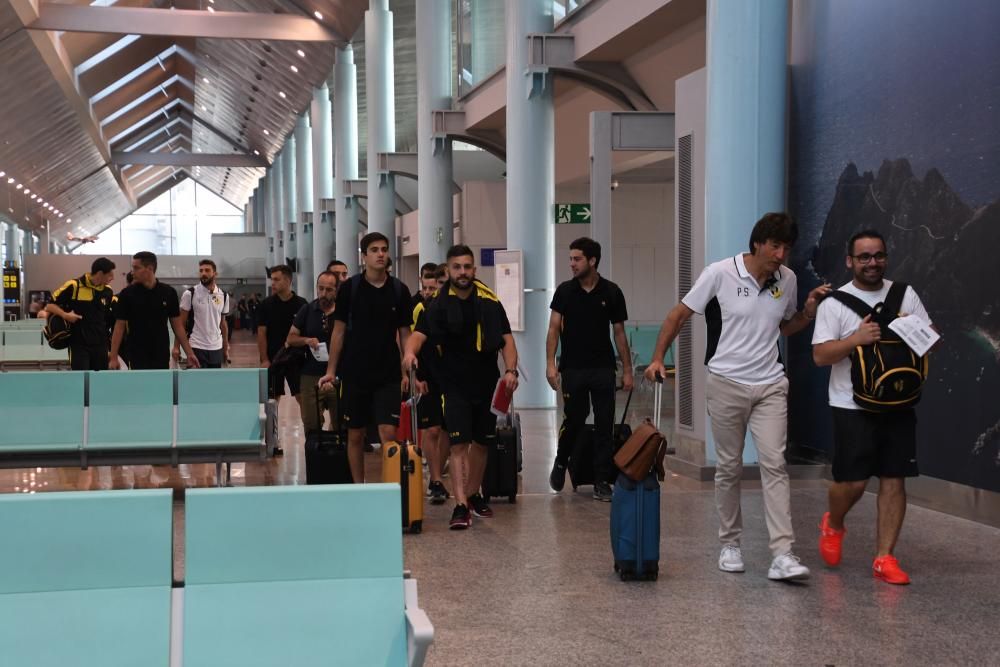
column 776, row 291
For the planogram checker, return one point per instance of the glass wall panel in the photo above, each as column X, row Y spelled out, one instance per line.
column 481, row 45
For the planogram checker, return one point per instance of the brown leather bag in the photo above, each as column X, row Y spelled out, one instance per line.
column 642, row 453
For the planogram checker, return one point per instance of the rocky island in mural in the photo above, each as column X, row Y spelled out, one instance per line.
column 950, row 252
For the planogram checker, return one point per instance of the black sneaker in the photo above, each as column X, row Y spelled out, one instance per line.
column 557, row 478
column 438, row 493
column 479, row 507
column 602, row 492
column 461, row 518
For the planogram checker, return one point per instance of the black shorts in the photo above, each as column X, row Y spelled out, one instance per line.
column 874, row 444
column 88, row 357
column 276, row 378
column 363, row 405
column 429, row 411
column 469, row 420
column 209, row 358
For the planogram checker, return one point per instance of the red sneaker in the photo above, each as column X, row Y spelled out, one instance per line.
column 830, row 542
column 887, row 569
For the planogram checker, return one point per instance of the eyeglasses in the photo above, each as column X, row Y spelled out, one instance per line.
column 865, row 258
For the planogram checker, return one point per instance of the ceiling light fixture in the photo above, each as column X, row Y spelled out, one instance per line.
column 205, row 79
column 27, row 191
column 211, row 9
column 2, row 174
column 19, row 186
column 256, row 152
column 295, row 69
column 9, row 181
column 318, row 15
column 266, row 133
column 204, row 108
column 302, row 54
column 281, row 94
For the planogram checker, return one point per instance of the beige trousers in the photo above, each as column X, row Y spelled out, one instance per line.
column 764, row 408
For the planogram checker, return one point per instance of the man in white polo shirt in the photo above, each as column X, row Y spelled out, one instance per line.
column 748, row 302
column 208, row 305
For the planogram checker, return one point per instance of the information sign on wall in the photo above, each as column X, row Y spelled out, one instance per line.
column 509, row 283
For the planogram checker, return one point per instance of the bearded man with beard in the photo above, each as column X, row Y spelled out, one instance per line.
column 312, row 327
column 865, row 444
column 209, row 306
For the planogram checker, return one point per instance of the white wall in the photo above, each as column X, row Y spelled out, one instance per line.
column 484, row 220
column 47, row 272
column 239, row 255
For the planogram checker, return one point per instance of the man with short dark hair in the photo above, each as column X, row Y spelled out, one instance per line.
column 371, row 325
column 748, row 302
column 145, row 308
column 208, row 306
column 85, row 303
column 865, row 443
column 582, row 310
column 311, row 328
column 468, row 324
column 274, row 321
column 339, row 269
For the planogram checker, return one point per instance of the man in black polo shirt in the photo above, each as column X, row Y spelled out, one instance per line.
column 312, row 327
column 582, row 309
column 371, row 324
column 468, row 324
column 274, row 321
column 145, row 308
column 85, row 303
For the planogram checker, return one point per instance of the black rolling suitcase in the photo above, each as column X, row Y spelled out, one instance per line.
column 581, row 460
column 326, row 452
column 504, row 461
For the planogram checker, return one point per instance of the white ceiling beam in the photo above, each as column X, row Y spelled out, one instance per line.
column 188, row 159
column 180, row 23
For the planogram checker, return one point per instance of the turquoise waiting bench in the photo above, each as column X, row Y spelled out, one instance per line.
column 85, row 578
column 307, row 575
column 162, row 417
column 299, row 575
column 26, row 348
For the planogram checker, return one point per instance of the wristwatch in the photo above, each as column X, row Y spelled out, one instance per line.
column 514, row 371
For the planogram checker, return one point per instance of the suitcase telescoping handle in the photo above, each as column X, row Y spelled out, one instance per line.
column 414, row 399
column 628, row 401
column 657, row 400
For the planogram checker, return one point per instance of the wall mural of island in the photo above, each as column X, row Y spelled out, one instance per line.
column 895, row 126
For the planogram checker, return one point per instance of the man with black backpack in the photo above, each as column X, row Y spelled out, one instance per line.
column 371, row 325
column 874, row 427
column 85, row 305
column 204, row 308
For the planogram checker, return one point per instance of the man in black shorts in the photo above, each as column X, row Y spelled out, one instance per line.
column 429, row 416
column 274, row 321
column 85, row 302
column 866, row 444
column 371, row 324
column 144, row 309
column 469, row 326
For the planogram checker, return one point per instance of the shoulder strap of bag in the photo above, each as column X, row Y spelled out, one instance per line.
column 894, row 300
column 862, row 309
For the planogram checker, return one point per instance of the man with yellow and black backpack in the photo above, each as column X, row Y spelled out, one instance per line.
column 875, row 381
column 84, row 304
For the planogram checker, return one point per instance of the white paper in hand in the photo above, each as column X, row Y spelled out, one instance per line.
column 320, row 353
column 916, row 333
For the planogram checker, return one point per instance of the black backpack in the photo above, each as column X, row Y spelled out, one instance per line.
column 189, row 327
column 887, row 375
column 57, row 331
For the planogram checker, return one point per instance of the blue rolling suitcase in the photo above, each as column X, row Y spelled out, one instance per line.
column 635, row 514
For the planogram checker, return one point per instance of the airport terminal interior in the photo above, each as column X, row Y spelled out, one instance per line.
column 162, row 515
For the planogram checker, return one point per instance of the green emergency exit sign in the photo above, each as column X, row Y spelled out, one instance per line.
column 569, row 214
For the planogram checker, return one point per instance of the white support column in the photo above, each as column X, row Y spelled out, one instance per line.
column 322, row 173
column 345, row 133
column 306, row 277
column 288, row 203
column 531, row 190
column 277, row 208
column 379, row 90
column 434, row 164
column 267, row 219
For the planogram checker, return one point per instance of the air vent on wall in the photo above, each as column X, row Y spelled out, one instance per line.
column 685, row 416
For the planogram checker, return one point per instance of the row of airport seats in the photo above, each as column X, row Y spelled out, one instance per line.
column 30, row 323
column 25, row 347
column 272, row 576
column 84, row 418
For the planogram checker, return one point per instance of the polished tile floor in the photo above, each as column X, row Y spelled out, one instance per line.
column 534, row 584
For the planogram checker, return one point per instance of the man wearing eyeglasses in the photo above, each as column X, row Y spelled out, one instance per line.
column 311, row 328
column 865, row 444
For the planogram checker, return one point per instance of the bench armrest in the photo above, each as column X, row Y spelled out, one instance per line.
column 419, row 631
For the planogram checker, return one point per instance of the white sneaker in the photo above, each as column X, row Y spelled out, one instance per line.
column 787, row 567
column 731, row 559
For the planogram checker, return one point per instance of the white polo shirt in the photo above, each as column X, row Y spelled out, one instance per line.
column 208, row 310
column 743, row 319
column 835, row 321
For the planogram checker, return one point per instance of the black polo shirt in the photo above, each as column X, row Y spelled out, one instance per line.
column 90, row 302
column 277, row 316
column 585, row 339
column 147, row 313
column 370, row 355
column 312, row 322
